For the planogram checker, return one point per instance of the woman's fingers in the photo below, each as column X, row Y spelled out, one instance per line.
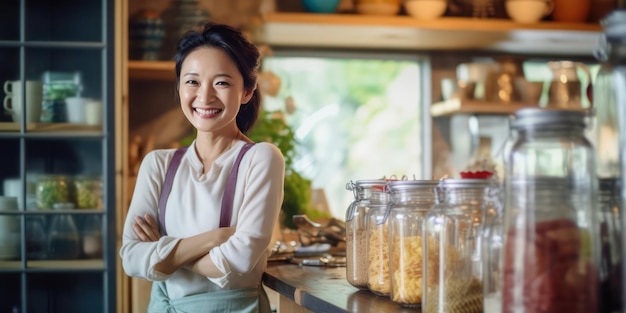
column 145, row 229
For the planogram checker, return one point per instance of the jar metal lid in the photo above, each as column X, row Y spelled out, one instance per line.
column 412, row 184
column 549, row 118
column 465, row 183
column 614, row 25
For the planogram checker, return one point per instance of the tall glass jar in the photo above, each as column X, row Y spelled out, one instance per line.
column 452, row 258
column 409, row 202
column 356, row 229
column 378, row 279
column 610, row 248
column 605, row 127
column 550, row 257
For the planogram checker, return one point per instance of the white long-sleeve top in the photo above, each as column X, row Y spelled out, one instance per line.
column 194, row 206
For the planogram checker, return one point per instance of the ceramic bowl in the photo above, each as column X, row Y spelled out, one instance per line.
column 528, row 11
column 426, row 9
column 378, row 7
column 320, row 6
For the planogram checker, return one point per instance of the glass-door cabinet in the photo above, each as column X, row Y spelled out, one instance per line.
column 57, row 158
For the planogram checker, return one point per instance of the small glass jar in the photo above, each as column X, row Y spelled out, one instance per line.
column 452, row 279
column 52, row 189
column 409, row 202
column 63, row 239
column 378, row 280
column 551, row 243
column 88, row 192
column 356, row 230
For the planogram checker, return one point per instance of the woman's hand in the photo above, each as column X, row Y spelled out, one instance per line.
column 146, row 228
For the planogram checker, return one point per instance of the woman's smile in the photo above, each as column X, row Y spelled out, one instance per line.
column 207, row 113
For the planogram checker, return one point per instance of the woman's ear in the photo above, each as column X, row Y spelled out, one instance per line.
column 248, row 94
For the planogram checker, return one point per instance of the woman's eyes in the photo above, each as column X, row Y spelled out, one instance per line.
column 219, row 83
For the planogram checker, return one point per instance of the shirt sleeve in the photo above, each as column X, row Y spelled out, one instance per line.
column 139, row 258
column 261, row 189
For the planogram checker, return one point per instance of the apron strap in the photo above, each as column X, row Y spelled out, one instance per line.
column 229, row 191
column 167, row 186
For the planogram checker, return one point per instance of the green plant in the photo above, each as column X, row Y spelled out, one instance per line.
column 271, row 127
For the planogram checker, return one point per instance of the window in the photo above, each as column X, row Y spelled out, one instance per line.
column 356, row 116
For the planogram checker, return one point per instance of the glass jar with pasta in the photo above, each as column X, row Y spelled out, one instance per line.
column 356, row 237
column 452, row 251
column 409, row 202
column 378, row 280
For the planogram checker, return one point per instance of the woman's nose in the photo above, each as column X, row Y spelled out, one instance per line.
column 206, row 93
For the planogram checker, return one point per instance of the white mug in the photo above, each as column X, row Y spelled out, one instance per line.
column 93, row 112
column 13, row 100
column 76, row 109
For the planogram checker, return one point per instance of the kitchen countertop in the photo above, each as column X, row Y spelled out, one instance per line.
column 323, row 290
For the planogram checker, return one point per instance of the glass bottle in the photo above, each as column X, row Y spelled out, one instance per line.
column 550, row 257
column 378, row 280
column 452, row 257
column 63, row 239
column 356, row 230
column 409, row 202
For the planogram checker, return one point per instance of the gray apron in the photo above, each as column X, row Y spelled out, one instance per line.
column 252, row 300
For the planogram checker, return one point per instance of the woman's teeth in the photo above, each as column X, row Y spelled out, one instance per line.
column 208, row 111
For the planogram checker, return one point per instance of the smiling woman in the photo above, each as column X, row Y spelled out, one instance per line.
column 354, row 117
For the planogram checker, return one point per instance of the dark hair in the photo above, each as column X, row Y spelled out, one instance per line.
column 244, row 53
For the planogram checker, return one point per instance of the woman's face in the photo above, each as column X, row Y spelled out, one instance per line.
column 211, row 90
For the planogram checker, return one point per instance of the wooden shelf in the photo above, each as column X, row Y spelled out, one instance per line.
column 52, row 127
column 152, row 70
column 354, row 31
column 407, row 33
column 94, row 264
column 457, row 106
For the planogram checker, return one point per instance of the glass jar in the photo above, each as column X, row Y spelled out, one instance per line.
column 492, row 252
column 604, row 132
column 409, row 202
column 63, row 239
column 378, row 280
column 36, row 238
column 91, row 236
column 88, row 192
column 610, row 249
column 356, row 230
column 453, row 261
column 52, row 189
column 550, row 257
